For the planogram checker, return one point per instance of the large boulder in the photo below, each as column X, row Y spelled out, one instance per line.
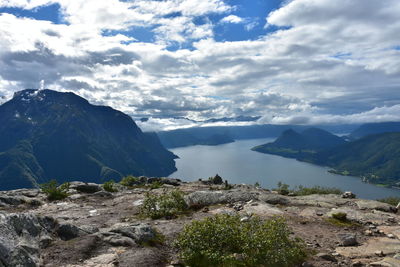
column 21, row 236
column 207, row 198
column 85, row 187
column 364, row 204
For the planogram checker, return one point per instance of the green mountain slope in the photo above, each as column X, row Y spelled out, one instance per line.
column 375, row 157
column 375, row 128
column 52, row 135
column 300, row 145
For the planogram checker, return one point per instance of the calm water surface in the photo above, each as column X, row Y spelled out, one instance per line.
column 238, row 164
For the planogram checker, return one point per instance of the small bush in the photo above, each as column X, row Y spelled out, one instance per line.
column 340, row 216
column 224, row 240
column 53, row 191
column 129, row 181
column 283, row 189
column 216, row 179
column 109, row 186
column 390, row 200
column 167, row 205
column 155, row 185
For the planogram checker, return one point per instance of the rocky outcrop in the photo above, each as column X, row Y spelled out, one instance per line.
column 92, row 227
column 22, row 236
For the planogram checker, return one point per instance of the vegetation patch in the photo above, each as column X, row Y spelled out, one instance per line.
column 167, row 205
column 340, row 219
column 129, row 181
column 304, row 191
column 110, row 186
column 225, row 240
column 300, row 190
column 54, row 191
column 390, row 200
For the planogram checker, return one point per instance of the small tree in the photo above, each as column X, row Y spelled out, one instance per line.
column 53, row 191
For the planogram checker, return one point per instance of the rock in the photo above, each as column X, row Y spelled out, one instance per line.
column 364, row 204
column 391, row 236
column 348, row 194
column 368, row 233
column 379, row 253
column 368, row 249
column 103, row 194
column 274, row 199
column 386, row 262
column 206, row 198
column 67, row 231
column 348, row 240
column 238, row 206
column 20, row 236
column 327, row 257
column 356, row 264
column 85, row 187
column 119, row 240
column 12, row 200
column 307, row 264
column 245, row 219
column 140, row 232
column 171, row 181
column 396, row 256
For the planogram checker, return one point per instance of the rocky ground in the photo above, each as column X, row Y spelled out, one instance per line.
column 93, row 227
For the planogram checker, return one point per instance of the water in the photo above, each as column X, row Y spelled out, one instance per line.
column 238, row 164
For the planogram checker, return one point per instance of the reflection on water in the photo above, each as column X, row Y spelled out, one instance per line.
column 237, row 163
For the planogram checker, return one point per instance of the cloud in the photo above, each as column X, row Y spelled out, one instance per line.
column 232, row 19
column 318, row 61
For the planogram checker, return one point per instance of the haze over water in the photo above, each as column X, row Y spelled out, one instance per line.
column 238, row 164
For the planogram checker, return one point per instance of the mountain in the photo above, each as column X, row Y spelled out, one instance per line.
column 374, row 157
column 173, row 139
column 52, row 135
column 374, row 128
column 300, row 145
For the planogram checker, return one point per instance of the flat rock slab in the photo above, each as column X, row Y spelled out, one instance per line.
column 394, row 230
column 387, row 245
column 262, row 210
column 324, row 201
column 374, row 205
column 386, row 262
column 354, row 214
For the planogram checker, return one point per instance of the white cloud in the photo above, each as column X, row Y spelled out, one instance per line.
column 232, row 19
column 330, row 61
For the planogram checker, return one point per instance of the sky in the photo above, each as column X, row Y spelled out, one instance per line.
column 290, row 62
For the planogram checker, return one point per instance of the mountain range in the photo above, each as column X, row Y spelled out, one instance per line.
column 374, row 128
column 53, row 135
column 375, row 158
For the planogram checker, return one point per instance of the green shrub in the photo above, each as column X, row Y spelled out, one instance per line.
column 283, row 189
column 340, row 216
column 109, row 186
column 390, row 200
column 225, row 240
column 53, row 191
column 155, row 185
column 166, row 205
column 216, row 179
column 129, row 180
column 304, row 191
